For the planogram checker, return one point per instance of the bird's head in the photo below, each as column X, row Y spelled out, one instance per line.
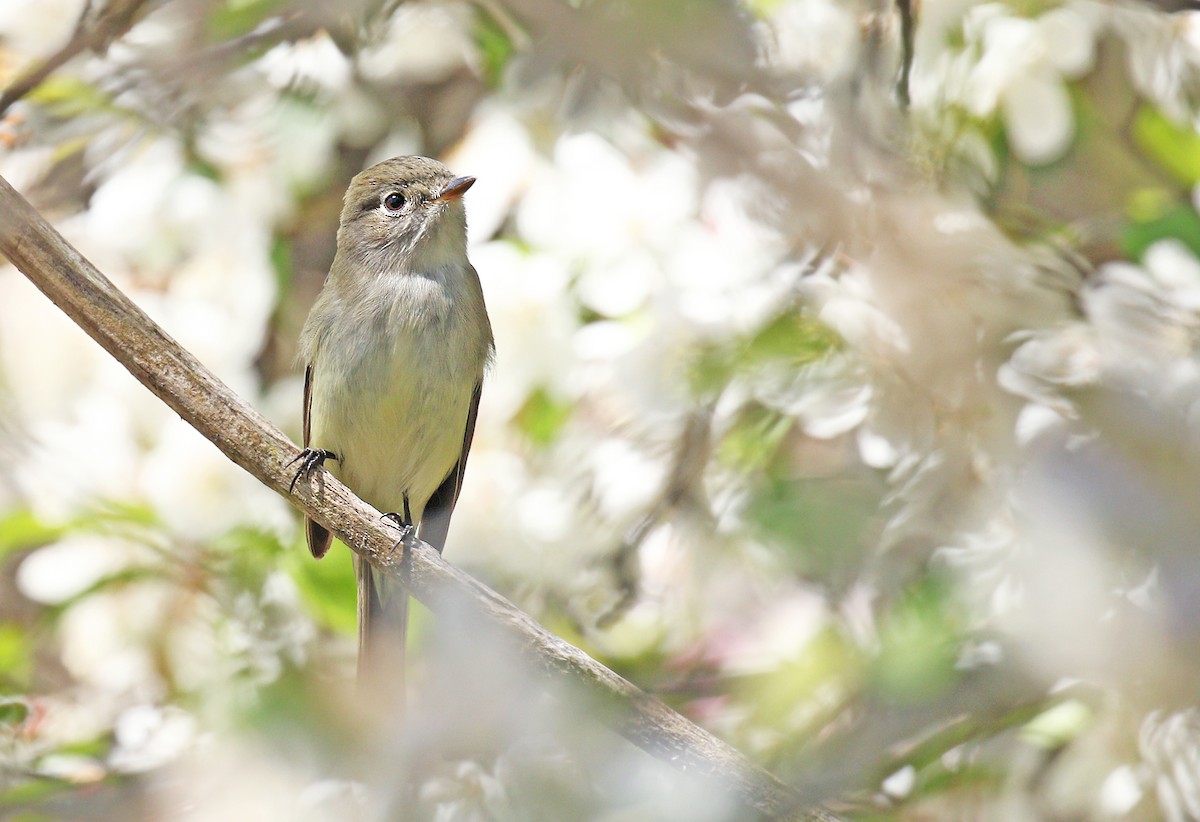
column 405, row 214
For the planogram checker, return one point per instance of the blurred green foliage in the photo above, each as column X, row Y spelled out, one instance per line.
column 328, row 587
column 21, row 529
column 819, row 528
column 235, row 18
column 542, row 416
column 789, row 340
column 1174, row 146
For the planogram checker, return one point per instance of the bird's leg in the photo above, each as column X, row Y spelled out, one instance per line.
column 310, row 459
column 403, row 523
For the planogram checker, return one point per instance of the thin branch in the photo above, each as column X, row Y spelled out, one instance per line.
column 927, row 748
column 112, row 22
column 907, row 36
column 247, row 438
column 691, row 452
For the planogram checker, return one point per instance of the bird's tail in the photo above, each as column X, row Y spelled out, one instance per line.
column 382, row 633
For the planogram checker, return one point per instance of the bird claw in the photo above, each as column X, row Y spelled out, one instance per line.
column 405, row 528
column 402, row 525
column 310, row 459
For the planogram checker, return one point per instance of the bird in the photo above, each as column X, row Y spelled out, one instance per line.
column 395, row 350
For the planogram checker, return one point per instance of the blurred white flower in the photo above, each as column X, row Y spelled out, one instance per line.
column 1137, row 325
column 64, row 569
column 1022, row 69
column 492, row 491
column 724, row 266
column 901, row 783
column 544, row 513
column 71, row 768
column 1164, row 52
column 1050, row 360
column 43, row 351
column 836, row 398
column 127, row 207
column 37, row 27
column 848, row 304
column 471, row 793
column 499, row 143
column 1170, row 744
column 625, row 480
column 1037, row 422
column 105, row 639
column 1121, row 791
column 312, row 63
column 77, row 457
column 199, row 493
column 779, row 635
column 594, row 204
column 423, row 43
column 227, row 779
column 525, row 293
column 620, row 288
column 149, row 737
column 1176, row 270
column 813, row 37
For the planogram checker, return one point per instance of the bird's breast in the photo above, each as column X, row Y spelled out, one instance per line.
column 392, row 388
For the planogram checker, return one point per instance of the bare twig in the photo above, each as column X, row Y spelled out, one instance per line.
column 691, row 453
column 247, row 438
column 907, row 35
column 113, row 21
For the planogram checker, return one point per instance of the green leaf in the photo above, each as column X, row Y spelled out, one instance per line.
column 68, row 97
column 120, row 579
column 30, row 791
column 246, row 555
column 1058, row 725
column 791, row 339
column 16, row 653
column 13, row 711
column 764, row 8
column 1174, row 146
column 327, row 586
column 235, row 18
column 753, row 439
column 820, row 525
column 294, row 711
column 283, row 264
column 495, row 48
column 20, row 529
column 542, row 416
column 774, row 696
column 1160, row 219
column 919, row 642
column 118, row 516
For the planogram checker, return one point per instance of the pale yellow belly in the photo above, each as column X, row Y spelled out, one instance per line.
column 397, row 430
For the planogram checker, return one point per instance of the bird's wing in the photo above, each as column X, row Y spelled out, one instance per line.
column 435, row 522
column 318, row 536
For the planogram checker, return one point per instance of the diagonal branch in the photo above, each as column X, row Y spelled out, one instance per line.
column 247, row 438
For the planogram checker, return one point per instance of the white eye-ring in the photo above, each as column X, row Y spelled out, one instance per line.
column 393, row 202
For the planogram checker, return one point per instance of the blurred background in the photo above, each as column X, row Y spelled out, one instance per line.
column 846, row 398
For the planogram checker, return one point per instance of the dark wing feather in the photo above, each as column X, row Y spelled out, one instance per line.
column 382, row 630
column 318, row 536
column 435, row 522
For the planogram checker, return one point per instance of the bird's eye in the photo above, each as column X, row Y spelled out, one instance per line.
column 394, row 202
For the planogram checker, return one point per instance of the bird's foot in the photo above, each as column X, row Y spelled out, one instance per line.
column 402, row 524
column 310, row 460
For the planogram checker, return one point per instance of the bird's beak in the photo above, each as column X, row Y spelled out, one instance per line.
column 454, row 189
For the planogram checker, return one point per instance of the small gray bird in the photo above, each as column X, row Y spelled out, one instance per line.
column 395, row 349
